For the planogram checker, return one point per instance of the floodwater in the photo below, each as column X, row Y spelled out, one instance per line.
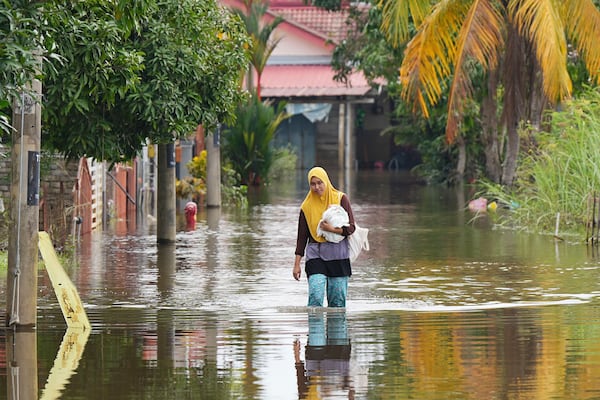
column 441, row 307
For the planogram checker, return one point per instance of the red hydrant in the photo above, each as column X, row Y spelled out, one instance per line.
column 190, row 215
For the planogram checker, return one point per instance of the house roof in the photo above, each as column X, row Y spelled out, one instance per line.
column 309, row 81
column 326, row 24
column 296, row 74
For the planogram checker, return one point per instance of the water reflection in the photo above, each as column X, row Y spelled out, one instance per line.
column 21, row 365
column 326, row 366
column 439, row 308
column 166, row 262
column 66, row 362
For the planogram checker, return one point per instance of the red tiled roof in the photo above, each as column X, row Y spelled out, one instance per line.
column 330, row 25
column 284, row 81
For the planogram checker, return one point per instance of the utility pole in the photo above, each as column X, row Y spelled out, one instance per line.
column 166, row 214
column 21, row 290
column 21, row 282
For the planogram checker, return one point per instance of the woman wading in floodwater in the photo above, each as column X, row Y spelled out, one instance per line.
column 327, row 264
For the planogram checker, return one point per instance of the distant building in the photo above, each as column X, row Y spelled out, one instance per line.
column 324, row 129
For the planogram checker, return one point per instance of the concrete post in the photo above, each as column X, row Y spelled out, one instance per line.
column 341, row 135
column 213, row 170
column 166, row 227
column 21, row 304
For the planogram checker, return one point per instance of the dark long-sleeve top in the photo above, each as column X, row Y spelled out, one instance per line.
column 304, row 235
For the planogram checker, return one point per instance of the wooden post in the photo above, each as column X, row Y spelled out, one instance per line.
column 593, row 218
column 587, row 221
column 166, row 228
column 21, row 304
column 597, row 233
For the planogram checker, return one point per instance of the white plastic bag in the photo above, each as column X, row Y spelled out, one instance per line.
column 358, row 241
column 337, row 217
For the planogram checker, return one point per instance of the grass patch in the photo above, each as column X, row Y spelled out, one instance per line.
column 3, row 261
column 559, row 174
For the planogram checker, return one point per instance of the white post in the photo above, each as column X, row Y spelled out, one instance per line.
column 213, row 169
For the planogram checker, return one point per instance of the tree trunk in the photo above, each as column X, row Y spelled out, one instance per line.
column 489, row 125
column 524, row 100
column 516, row 91
column 461, row 163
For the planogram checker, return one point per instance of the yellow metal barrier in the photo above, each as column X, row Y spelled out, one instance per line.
column 78, row 325
column 66, row 293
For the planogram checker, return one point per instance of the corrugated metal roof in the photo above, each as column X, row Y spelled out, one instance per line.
column 284, row 81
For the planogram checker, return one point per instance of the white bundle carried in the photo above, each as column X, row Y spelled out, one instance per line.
column 337, row 217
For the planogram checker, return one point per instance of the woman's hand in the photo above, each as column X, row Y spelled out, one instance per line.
column 327, row 227
column 296, row 272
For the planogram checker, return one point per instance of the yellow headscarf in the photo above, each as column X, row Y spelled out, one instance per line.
column 314, row 205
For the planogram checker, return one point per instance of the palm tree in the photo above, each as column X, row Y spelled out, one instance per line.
column 523, row 45
column 260, row 34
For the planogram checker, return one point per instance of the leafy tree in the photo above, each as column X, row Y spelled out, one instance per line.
column 145, row 69
column 366, row 48
column 97, row 70
column 522, row 45
column 195, row 52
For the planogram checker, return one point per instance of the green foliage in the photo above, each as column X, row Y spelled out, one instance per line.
column 331, row 5
column 79, row 115
column 247, row 143
column 4, row 227
column 232, row 192
column 197, row 166
column 145, row 69
column 193, row 186
column 559, row 174
column 284, row 164
column 19, row 50
column 194, row 52
column 366, row 48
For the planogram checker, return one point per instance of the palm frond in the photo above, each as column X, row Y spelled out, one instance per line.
column 263, row 51
column 539, row 20
column 480, row 39
column 582, row 20
column 397, row 16
column 429, row 55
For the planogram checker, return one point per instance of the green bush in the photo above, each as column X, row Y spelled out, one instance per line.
column 247, row 143
column 284, row 163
